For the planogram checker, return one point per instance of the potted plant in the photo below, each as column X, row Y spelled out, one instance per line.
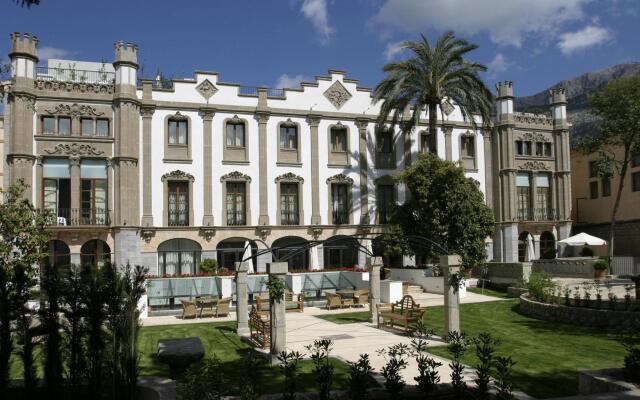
column 600, row 268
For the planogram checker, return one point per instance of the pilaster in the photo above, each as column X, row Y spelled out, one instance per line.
column 314, row 121
column 488, row 168
column 207, row 117
column 147, row 165
column 362, row 125
column 448, row 150
column 74, row 169
column 263, row 118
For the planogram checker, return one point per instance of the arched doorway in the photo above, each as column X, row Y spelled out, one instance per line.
column 390, row 260
column 179, row 257
column 547, row 245
column 59, row 255
column 292, row 244
column 340, row 251
column 95, row 252
column 230, row 251
column 522, row 246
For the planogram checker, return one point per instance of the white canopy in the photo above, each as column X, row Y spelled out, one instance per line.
column 583, row 239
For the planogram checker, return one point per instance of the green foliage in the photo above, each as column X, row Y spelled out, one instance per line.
column 601, row 265
column 203, row 382
column 253, row 364
column 504, row 378
column 457, row 346
column 209, row 266
column 359, row 375
column 289, row 365
column 428, row 376
column 51, row 285
column 540, row 285
column 485, row 349
column 586, row 252
column 276, row 288
column 446, row 207
column 631, row 343
column 396, row 357
column 323, row 370
column 549, row 254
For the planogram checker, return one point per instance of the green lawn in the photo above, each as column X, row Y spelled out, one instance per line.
column 488, row 292
column 548, row 355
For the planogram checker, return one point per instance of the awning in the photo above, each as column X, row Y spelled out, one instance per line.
column 583, row 239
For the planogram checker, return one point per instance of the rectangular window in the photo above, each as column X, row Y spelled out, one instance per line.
column 543, row 198
column 178, row 203
column 593, row 173
column 87, row 126
column 339, row 203
column 523, row 186
column 64, row 126
column 385, row 142
column 468, row 145
column 178, row 132
column 289, row 214
column 539, row 149
column 102, row 127
column 385, row 203
column 236, row 203
column 289, row 137
column 527, row 148
column 56, row 189
column 48, row 125
column 593, row 188
column 635, row 160
column 338, row 139
column 235, row 134
column 606, row 187
column 519, row 147
column 427, row 143
column 547, row 150
column 93, row 201
column 635, row 182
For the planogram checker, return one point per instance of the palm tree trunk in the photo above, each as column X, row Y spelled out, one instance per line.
column 433, row 121
column 623, row 174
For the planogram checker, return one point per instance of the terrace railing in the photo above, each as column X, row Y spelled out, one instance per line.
column 74, row 75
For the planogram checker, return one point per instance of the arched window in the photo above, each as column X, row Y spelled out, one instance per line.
column 59, row 255
column 342, row 252
column 390, row 260
column 179, row 257
column 522, row 246
column 231, row 251
column 547, row 245
column 288, row 245
column 95, row 252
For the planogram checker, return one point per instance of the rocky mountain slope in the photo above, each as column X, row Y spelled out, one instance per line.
column 578, row 89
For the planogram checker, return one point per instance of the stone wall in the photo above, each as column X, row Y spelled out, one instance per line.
column 507, row 273
column 574, row 267
column 598, row 318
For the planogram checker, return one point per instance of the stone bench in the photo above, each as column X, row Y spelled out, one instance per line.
column 180, row 353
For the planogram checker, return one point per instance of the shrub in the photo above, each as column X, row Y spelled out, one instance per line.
column 457, row 347
column 209, row 266
column 289, row 366
column 250, row 387
column 631, row 343
column 504, row 379
column 396, row 357
column 428, row 376
column 359, row 373
column 205, row 381
column 549, row 254
column 323, row 371
column 540, row 285
column 586, row 252
column 601, row 265
column 485, row 349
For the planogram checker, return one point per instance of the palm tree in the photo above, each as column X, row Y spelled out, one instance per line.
column 430, row 77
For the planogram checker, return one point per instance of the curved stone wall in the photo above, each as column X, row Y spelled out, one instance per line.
column 583, row 316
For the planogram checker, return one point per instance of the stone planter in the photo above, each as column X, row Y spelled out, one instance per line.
column 605, row 381
column 599, row 273
column 516, row 292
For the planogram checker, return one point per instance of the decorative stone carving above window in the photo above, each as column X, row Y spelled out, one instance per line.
column 177, row 175
column 534, row 166
column 289, row 177
column 179, row 117
column 74, row 149
column 533, row 137
column 206, row 89
column 447, row 107
column 55, row 86
column 529, row 118
column 74, row 110
column 288, row 123
column 235, row 176
column 340, row 178
column 337, row 94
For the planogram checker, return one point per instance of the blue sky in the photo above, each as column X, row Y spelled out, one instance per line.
column 276, row 43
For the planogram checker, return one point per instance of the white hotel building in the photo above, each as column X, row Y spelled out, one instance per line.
column 168, row 176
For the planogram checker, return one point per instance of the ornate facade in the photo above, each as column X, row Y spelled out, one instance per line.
column 165, row 175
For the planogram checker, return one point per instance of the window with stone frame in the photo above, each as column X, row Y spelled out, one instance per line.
column 523, row 193
column 236, row 203
column 235, row 134
column 86, row 126
column 606, row 187
column 289, row 137
column 427, row 142
column 593, row 189
column 339, row 203
column 102, row 127
column 543, row 197
column 93, row 192
column 178, row 202
column 64, row 126
column 339, row 139
column 289, row 204
column 593, row 171
column 548, row 149
column 178, row 131
column 385, row 201
column 48, row 125
column 468, row 151
column 385, row 152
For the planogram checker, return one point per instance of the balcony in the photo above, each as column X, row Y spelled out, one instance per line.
column 75, row 76
column 80, row 217
column 537, row 214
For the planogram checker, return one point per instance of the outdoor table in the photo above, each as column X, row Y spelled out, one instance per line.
column 203, row 302
column 346, row 292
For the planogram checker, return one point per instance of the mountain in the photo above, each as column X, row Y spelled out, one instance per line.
column 578, row 89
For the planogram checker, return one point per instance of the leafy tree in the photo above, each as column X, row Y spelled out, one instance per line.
column 51, row 284
column 431, row 76
column 23, row 244
column 618, row 107
column 446, row 207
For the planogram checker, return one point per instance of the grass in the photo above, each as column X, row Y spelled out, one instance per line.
column 548, row 355
column 346, row 318
column 488, row 292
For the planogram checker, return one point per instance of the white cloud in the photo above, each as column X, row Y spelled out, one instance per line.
column 500, row 63
column 392, row 50
column 316, row 12
column 286, row 81
column 588, row 36
column 506, row 22
column 47, row 52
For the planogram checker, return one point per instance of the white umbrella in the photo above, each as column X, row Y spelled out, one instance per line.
column 246, row 256
column 313, row 258
column 531, row 253
column 583, row 239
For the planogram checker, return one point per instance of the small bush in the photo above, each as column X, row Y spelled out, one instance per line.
column 540, row 285
column 323, row 371
column 209, row 266
column 601, row 265
column 631, row 343
column 504, row 378
column 586, row 252
column 359, row 374
column 396, row 357
column 205, row 381
column 457, row 347
column 290, row 369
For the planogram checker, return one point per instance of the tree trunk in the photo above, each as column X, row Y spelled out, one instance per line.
column 433, row 128
column 623, row 174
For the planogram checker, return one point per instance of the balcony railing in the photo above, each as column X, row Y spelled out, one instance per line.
column 74, row 75
column 235, row 218
column 340, row 217
column 253, row 91
column 80, row 216
column 289, row 218
column 178, row 218
column 537, row 214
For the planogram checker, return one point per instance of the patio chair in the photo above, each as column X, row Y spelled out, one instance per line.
column 189, row 309
column 222, row 309
column 333, row 300
column 361, row 297
column 383, row 308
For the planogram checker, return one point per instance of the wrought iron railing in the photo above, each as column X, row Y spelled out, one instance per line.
column 178, row 218
column 79, row 216
column 253, row 91
column 75, row 75
column 537, row 214
column 289, row 218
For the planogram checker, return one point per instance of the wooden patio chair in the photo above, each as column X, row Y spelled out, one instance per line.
column 189, row 309
column 361, row 297
column 222, row 308
column 333, row 300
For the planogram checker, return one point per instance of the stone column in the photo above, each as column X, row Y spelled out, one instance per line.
column 450, row 265
column 374, row 266
column 110, row 191
column 207, row 117
column 38, row 183
column 147, row 211
column 277, row 311
column 448, row 149
column 74, row 166
column 242, row 299
column 314, row 121
column 488, row 168
column 262, row 119
column 362, row 125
